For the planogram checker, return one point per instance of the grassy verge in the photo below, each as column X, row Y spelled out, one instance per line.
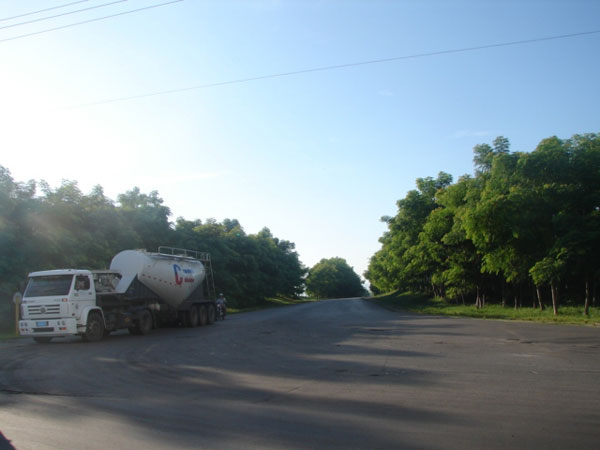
column 423, row 304
column 270, row 303
column 6, row 336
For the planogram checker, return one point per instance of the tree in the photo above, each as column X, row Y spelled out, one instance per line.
column 400, row 264
column 333, row 278
column 525, row 223
column 17, row 203
column 248, row 268
column 500, row 224
column 148, row 217
column 63, row 227
column 485, row 154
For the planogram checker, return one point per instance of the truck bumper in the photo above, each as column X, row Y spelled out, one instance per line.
column 48, row 327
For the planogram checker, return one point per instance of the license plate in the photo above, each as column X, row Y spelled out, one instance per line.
column 41, row 324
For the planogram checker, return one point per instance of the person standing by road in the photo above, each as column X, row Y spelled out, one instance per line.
column 222, row 305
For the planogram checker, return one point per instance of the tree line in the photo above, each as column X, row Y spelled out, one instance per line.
column 43, row 228
column 524, row 229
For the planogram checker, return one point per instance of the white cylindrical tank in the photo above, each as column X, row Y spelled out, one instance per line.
column 173, row 278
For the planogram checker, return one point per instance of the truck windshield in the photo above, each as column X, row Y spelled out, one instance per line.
column 50, row 285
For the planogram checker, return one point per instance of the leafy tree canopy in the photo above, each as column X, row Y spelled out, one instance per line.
column 524, row 223
column 333, row 278
column 64, row 228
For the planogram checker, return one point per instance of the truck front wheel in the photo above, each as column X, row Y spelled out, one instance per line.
column 94, row 331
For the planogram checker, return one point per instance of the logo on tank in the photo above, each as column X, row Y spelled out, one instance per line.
column 183, row 275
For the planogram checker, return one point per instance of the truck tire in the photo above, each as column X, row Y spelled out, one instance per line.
column 212, row 314
column 203, row 313
column 42, row 339
column 192, row 317
column 144, row 325
column 94, row 330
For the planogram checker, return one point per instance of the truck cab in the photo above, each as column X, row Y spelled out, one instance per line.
column 57, row 303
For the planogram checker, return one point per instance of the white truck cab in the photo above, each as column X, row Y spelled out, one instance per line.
column 57, row 303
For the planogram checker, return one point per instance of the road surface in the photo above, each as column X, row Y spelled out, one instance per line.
column 334, row 374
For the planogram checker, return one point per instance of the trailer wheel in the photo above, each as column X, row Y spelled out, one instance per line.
column 144, row 322
column 42, row 339
column 94, row 331
column 192, row 317
column 203, row 315
column 212, row 314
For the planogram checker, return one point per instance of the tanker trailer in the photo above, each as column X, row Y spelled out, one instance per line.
column 140, row 291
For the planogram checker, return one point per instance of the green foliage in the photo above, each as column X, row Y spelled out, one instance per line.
column 64, row 228
column 400, row 262
column 525, row 223
column 333, row 278
column 247, row 268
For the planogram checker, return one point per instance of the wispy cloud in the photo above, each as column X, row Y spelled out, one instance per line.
column 469, row 133
column 386, row 93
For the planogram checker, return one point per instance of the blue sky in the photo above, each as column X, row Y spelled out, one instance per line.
column 316, row 157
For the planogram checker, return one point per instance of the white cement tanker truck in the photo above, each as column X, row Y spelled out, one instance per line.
column 140, row 291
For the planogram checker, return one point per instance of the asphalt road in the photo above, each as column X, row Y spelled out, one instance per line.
column 334, row 374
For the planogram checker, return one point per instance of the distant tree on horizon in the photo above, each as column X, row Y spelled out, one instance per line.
column 333, row 278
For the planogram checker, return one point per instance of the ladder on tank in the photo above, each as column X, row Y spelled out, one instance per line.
column 204, row 258
column 210, row 280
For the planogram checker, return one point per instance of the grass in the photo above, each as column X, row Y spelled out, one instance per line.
column 5, row 336
column 270, row 303
column 424, row 304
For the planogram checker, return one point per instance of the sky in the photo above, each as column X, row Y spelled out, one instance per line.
column 317, row 156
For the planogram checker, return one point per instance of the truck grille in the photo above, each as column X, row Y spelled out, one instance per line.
column 43, row 310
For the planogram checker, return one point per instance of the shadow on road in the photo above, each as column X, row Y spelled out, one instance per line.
column 5, row 443
column 322, row 375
